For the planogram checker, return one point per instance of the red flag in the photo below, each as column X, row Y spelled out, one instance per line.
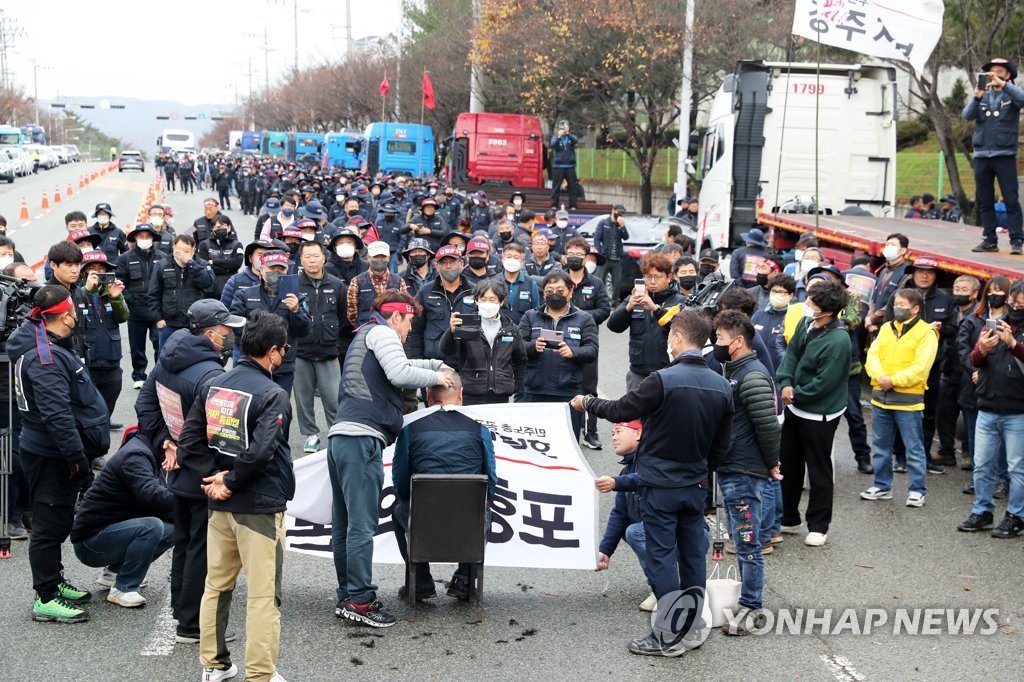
column 428, row 92
column 385, row 87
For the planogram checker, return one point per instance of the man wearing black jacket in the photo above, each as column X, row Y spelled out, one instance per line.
column 234, row 441
column 112, row 238
column 672, row 469
column 64, row 424
column 223, row 252
column 176, row 284
column 190, row 359
column 608, row 238
column 202, row 227
column 135, row 269
column 123, row 522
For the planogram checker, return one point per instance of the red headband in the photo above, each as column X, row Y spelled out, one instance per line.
column 61, row 307
column 398, row 307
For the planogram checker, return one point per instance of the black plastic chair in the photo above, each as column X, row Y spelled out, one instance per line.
column 447, row 523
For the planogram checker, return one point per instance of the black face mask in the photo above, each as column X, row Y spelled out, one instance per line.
column 1015, row 317
column 961, row 300
column 996, row 300
column 704, row 270
column 417, row 261
column 574, row 263
column 477, row 262
column 505, row 236
column 687, row 282
column 227, row 346
column 555, row 301
column 762, row 279
column 351, row 212
column 721, row 353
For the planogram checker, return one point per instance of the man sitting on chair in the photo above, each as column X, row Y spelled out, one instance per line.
column 443, row 442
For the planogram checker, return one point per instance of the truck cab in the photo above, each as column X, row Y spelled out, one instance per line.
column 341, row 150
column 398, row 148
column 496, row 148
column 309, row 144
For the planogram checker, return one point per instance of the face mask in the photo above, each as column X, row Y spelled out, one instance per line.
column 808, row 265
column 996, row 300
column 591, row 266
column 221, row 232
column 505, row 236
column 345, row 250
column 704, row 270
column 779, row 301
column 555, row 301
column 293, row 247
column 144, row 244
column 227, row 345
column 272, row 278
column 449, row 275
column 809, row 312
column 1015, row 317
column 562, row 224
column 574, row 263
column 721, row 353
column 287, row 212
column 487, row 309
column 890, row 252
column 901, row 314
column 103, row 219
column 517, row 202
column 351, row 212
column 687, row 282
column 417, row 261
column 378, row 265
column 307, row 237
column 961, row 300
column 671, row 355
column 477, row 263
column 512, row 264
column 156, row 220
column 798, row 255
column 5, row 261
column 340, row 199
column 762, row 279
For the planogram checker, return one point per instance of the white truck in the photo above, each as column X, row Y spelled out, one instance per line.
column 758, row 153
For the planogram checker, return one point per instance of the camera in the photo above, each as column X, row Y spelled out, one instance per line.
column 16, row 301
column 982, row 81
column 106, row 278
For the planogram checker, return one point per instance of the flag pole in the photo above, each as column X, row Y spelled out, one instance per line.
column 419, row 146
column 383, row 99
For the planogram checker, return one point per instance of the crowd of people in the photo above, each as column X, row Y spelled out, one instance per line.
column 364, row 291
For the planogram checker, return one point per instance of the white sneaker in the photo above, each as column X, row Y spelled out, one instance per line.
column 128, row 600
column 915, row 500
column 815, row 539
column 876, row 493
column 792, row 530
column 106, row 578
column 312, row 444
column 138, row 384
column 649, row 604
column 216, row 675
column 277, row 677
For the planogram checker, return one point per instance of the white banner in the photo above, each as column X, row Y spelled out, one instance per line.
column 890, row 29
column 544, row 514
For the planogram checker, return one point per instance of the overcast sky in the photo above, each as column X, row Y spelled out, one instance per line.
column 192, row 51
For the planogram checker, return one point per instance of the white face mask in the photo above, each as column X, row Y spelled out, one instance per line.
column 591, row 266
column 671, row 355
column 345, row 250
column 891, row 252
column 562, row 223
column 488, row 310
column 103, row 219
column 779, row 301
column 808, row 265
column 809, row 312
column 86, row 249
column 517, row 202
column 306, row 237
column 144, row 244
column 156, row 220
column 511, row 264
column 798, row 255
column 5, row 261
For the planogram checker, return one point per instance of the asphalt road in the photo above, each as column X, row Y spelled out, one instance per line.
column 547, row 624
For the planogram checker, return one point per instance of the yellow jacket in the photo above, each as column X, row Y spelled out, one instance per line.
column 905, row 353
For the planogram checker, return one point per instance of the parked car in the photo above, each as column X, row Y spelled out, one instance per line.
column 132, row 160
column 8, row 167
column 22, row 161
column 645, row 232
column 61, row 152
column 73, row 154
column 47, row 158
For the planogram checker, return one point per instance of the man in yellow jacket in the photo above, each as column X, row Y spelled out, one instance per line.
column 898, row 363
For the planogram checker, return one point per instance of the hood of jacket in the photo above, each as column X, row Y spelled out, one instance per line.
column 184, row 349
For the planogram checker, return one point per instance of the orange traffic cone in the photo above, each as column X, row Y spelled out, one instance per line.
column 24, row 210
column 46, row 202
column 70, row 193
column 56, row 195
column 81, row 181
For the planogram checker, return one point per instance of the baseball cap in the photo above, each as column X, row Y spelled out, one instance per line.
column 619, row 207
column 477, row 244
column 209, row 312
column 103, row 207
column 291, row 231
column 819, row 273
column 378, row 248
column 275, row 258
column 923, row 264
column 561, row 215
column 213, row 202
column 635, row 425
column 96, row 257
column 709, row 254
column 79, row 235
column 448, row 252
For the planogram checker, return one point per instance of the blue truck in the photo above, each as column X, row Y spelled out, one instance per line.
column 398, row 148
column 341, row 150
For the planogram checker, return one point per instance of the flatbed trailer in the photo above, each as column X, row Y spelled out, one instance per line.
column 949, row 244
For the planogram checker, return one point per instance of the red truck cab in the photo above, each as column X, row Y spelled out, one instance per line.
column 497, row 149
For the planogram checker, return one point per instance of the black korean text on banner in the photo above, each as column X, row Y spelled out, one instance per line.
column 227, row 414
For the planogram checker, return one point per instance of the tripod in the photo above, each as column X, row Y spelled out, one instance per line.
column 6, row 463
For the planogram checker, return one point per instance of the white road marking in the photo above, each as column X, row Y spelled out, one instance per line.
column 841, row 668
column 161, row 639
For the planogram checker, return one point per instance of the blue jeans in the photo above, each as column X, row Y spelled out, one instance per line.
column 127, row 548
column 992, row 432
column 637, row 541
column 771, row 510
column 741, row 501
column 356, row 468
column 884, row 424
column 971, row 417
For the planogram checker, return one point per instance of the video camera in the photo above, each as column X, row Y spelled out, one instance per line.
column 708, row 294
column 16, row 300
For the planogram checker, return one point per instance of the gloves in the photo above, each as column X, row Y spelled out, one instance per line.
column 79, row 469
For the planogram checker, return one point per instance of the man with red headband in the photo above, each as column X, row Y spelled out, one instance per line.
column 369, row 419
column 64, row 424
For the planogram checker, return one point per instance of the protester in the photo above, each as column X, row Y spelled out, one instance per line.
column 176, row 284
column 746, row 260
column 101, row 311
column 448, row 293
column 420, row 269
column 890, row 279
column 963, row 302
column 608, row 240
column 523, row 293
column 135, row 269
column 368, row 285
column 222, row 251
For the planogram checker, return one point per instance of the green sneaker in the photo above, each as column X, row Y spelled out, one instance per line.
column 72, row 594
column 58, row 610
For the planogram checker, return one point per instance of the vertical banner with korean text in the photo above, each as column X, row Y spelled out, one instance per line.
column 544, row 514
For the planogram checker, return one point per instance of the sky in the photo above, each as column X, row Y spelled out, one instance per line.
column 190, row 51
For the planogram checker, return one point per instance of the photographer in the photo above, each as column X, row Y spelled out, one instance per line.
column 995, row 111
column 608, row 238
column 563, row 165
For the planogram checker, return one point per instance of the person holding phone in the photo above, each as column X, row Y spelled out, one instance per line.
column 608, row 237
column 101, row 312
column 995, row 111
column 563, row 165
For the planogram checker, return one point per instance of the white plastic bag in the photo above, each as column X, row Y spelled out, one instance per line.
column 723, row 593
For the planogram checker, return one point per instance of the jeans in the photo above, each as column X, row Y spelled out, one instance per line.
column 986, row 172
column 128, row 548
column 310, row 375
column 855, row 422
column 356, row 468
column 884, row 424
column 992, row 432
column 807, row 446
column 741, row 500
column 137, row 332
column 636, row 538
column 971, row 417
column 771, row 510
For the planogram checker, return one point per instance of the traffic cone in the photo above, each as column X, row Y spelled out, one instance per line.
column 46, row 202
column 70, row 193
column 56, row 194
column 81, row 181
column 24, row 210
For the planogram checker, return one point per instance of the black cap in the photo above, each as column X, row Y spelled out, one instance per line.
column 619, row 207
column 709, row 254
column 209, row 312
column 822, row 269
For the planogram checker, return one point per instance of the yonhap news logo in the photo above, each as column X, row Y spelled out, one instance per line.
column 681, row 621
column 835, row 622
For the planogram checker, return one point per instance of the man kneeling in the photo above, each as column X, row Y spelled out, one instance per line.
column 444, row 442
column 124, row 520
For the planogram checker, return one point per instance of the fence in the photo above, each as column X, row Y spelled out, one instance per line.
column 920, row 172
column 615, row 165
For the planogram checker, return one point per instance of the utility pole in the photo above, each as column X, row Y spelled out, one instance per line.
column 685, row 97
column 476, row 100
column 348, row 28
column 295, row 11
column 35, row 87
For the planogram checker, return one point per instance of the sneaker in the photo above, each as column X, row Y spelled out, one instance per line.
column 976, row 522
column 312, row 444
column 899, row 468
column 372, row 614
column 70, row 593
column 116, row 426
column 915, row 500
column 128, row 600
column 1016, row 248
column 216, row 675
column 137, row 385
column 864, row 467
column 968, row 488
column 815, row 539
column 193, row 638
column 767, row 548
column 745, row 620
column 58, row 610
column 986, row 247
column 277, row 677
column 777, row 538
column 107, row 578
column 649, row 604
column 792, row 530
column 16, row 531
column 459, row 588
column 1010, row 527
column 421, row 593
column 592, row 441
column 1002, row 490
column 935, row 468
column 876, row 493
